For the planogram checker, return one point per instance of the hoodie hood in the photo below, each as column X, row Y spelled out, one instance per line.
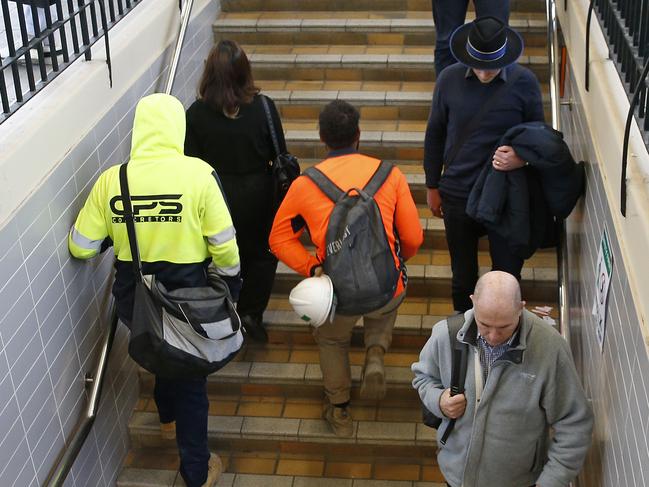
column 159, row 127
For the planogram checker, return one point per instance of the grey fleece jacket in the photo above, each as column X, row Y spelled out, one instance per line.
column 505, row 441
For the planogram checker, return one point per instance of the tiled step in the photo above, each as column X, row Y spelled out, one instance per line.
column 287, row 63
column 298, row 434
column 388, row 144
column 143, row 477
column 398, row 107
column 150, row 467
column 293, row 372
column 300, row 29
column 432, row 277
column 414, row 173
column 414, row 322
column 423, row 6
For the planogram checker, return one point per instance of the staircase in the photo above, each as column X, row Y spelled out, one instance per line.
column 265, row 408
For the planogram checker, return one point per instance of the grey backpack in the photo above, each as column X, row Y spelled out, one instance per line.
column 358, row 257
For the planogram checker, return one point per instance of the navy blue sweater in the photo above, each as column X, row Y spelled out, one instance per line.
column 457, row 98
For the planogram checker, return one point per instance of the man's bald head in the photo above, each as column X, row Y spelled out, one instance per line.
column 498, row 289
column 497, row 306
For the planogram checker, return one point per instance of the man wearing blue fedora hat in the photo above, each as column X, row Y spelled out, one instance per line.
column 475, row 102
column 448, row 15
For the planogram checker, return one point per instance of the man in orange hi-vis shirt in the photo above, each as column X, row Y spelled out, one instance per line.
column 307, row 207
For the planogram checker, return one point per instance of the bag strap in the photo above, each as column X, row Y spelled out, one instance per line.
column 333, row 192
column 379, row 177
column 130, row 223
column 271, row 125
column 477, row 118
column 326, row 185
column 459, row 354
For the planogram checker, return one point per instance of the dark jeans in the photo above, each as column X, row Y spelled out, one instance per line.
column 186, row 403
column 462, row 235
column 450, row 14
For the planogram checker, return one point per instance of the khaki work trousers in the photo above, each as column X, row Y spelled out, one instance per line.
column 333, row 339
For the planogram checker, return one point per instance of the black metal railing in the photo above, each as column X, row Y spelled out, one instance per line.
column 39, row 43
column 626, row 25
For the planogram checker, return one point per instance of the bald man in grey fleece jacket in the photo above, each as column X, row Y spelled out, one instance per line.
column 521, row 384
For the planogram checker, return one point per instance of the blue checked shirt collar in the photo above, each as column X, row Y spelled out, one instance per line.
column 489, row 354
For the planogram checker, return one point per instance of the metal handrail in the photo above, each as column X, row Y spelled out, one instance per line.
column 185, row 14
column 94, row 381
column 627, row 135
column 562, row 246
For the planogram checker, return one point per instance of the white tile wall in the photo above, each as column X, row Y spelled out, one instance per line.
column 54, row 309
column 616, row 379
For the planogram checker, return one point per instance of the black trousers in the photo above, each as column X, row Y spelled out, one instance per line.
column 186, row 403
column 249, row 198
column 462, row 235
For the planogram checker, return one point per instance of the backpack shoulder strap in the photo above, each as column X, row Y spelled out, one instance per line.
column 325, row 184
column 459, row 353
column 459, row 356
column 379, row 177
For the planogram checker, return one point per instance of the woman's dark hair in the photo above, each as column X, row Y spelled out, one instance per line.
column 339, row 124
column 227, row 79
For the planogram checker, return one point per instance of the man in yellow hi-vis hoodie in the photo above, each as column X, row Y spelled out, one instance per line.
column 182, row 224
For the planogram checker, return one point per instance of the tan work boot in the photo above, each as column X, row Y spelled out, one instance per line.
column 340, row 420
column 214, row 470
column 168, row 430
column 373, row 384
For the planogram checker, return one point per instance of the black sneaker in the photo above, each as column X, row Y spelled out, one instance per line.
column 254, row 328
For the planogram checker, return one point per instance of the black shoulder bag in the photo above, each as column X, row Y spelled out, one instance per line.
column 181, row 334
column 459, row 354
column 285, row 168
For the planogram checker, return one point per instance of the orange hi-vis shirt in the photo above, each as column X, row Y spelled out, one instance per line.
column 307, row 207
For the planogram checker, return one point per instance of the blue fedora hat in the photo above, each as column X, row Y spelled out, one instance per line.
column 486, row 43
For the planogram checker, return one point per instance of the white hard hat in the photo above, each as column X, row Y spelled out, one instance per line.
column 312, row 299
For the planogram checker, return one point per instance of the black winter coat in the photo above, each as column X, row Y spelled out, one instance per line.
column 525, row 205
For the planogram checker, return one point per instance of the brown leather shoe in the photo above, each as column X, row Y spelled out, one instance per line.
column 340, row 420
column 214, row 470
column 373, row 384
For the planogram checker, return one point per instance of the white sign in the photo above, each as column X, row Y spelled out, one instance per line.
column 603, row 274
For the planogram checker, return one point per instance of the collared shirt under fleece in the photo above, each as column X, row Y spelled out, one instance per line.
column 182, row 220
column 306, row 206
column 458, row 95
column 504, row 440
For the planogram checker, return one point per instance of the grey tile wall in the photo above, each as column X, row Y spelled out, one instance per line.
column 617, row 378
column 54, row 309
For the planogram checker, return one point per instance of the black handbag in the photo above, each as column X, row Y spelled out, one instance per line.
column 285, row 167
column 186, row 333
column 459, row 354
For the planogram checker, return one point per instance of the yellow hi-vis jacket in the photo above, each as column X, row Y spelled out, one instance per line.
column 180, row 213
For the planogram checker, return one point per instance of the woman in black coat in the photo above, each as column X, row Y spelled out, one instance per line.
column 227, row 127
